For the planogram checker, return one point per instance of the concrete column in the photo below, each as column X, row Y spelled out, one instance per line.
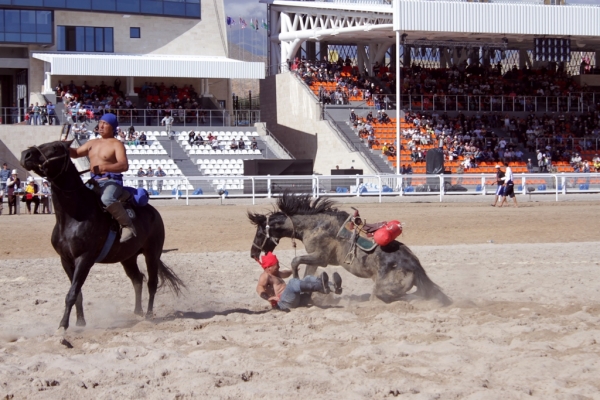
column 443, row 57
column 407, row 56
column 360, row 57
column 130, row 87
column 324, row 51
column 524, row 59
column 311, row 50
column 393, row 58
column 206, row 89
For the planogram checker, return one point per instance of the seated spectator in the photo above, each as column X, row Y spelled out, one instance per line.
column 596, row 162
column 214, row 144
column 31, row 195
column 241, row 144
column 353, row 116
column 191, row 137
column 253, row 143
column 142, row 138
column 371, row 140
column 233, row 145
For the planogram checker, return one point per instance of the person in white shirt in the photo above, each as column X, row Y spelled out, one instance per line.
column 168, row 122
column 509, row 186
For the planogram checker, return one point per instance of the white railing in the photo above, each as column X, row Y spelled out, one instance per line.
column 362, row 185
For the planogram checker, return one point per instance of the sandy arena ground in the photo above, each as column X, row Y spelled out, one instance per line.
column 525, row 319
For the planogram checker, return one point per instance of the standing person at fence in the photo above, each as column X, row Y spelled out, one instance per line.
column 168, row 122
column 509, row 186
column 45, row 194
column 107, row 162
column 13, row 184
column 159, row 174
column 499, row 181
column 272, row 288
column 4, row 175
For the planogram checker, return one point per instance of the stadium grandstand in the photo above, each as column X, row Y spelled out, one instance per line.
column 368, row 85
column 383, row 82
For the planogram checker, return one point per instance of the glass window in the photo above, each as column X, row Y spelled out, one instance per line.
column 32, row 3
column 174, row 8
column 89, row 38
column 99, row 33
column 108, row 40
column 61, row 38
column 44, row 38
column 12, row 20
column 152, row 7
column 135, row 33
column 55, row 3
column 44, row 21
column 12, row 37
column 79, row 38
column 1, row 20
column 104, row 5
column 28, row 37
column 79, row 4
column 28, row 21
column 192, row 10
column 6, row 2
column 132, row 6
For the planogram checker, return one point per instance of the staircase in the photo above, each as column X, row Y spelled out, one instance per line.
column 183, row 162
column 338, row 116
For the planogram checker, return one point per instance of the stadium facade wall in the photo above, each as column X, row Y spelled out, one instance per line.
column 292, row 114
column 16, row 138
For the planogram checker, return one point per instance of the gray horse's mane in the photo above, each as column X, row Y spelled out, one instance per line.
column 291, row 205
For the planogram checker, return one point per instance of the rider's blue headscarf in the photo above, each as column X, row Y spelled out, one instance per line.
column 111, row 119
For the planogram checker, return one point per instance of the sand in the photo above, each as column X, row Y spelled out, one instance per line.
column 525, row 319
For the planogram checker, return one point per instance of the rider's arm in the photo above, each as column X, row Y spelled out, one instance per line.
column 285, row 273
column 81, row 151
column 261, row 287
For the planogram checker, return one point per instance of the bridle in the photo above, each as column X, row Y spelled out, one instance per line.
column 47, row 160
column 274, row 239
column 267, row 237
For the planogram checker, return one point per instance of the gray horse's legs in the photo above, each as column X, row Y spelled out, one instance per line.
column 312, row 262
column 152, row 264
column 392, row 285
column 137, row 279
column 69, row 270
column 79, row 276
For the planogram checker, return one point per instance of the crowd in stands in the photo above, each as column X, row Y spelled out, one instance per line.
column 85, row 103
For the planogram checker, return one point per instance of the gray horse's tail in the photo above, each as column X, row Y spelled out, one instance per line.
column 166, row 275
column 429, row 290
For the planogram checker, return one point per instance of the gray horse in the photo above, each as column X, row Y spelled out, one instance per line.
column 393, row 268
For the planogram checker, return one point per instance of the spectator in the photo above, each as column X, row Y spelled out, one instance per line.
column 13, row 185
column 499, row 182
column 168, row 122
column 241, row 144
column 407, row 170
column 141, row 174
column 31, row 195
column 160, row 174
column 509, row 186
column 596, row 162
column 191, row 137
column 529, row 166
column 4, row 175
column 233, row 145
column 45, row 196
column 253, row 143
column 142, row 138
column 51, row 111
column 149, row 174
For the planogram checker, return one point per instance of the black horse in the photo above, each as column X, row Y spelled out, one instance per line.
column 393, row 268
column 82, row 228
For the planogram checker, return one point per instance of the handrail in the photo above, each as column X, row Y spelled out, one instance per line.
column 366, row 155
column 270, row 134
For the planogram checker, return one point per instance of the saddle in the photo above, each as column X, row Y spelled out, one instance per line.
column 358, row 231
column 367, row 236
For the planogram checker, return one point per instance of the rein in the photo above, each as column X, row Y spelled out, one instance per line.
column 63, row 169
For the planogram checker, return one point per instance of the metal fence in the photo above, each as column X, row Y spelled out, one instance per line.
column 147, row 117
column 576, row 102
column 586, row 143
column 376, row 186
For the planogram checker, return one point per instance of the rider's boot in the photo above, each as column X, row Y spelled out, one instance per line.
column 117, row 210
column 337, row 283
column 319, row 284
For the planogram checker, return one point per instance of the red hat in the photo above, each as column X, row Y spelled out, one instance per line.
column 268, row 260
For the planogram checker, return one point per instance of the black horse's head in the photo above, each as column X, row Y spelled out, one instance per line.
column 48, row 159
column 269, row 229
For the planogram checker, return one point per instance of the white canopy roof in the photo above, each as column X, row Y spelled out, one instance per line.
column 150, row 65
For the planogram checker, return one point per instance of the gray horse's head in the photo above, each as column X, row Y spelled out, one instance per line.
column 267, row 235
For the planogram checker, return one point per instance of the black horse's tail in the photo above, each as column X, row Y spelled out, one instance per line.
column 426, row 288
column 166, row 275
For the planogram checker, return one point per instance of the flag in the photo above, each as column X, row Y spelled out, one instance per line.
column 251, row 23
column 256, row 24
column 230, row 21
column 265, row 25
column 243, row 23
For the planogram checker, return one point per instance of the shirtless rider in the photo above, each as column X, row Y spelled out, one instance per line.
column 107, row 162
column 273, row 288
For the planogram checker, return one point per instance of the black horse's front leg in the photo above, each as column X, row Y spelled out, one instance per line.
column 69, row 268
column 312, row 262
column 74, row 297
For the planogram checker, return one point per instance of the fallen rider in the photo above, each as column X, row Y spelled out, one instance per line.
column 282, row 296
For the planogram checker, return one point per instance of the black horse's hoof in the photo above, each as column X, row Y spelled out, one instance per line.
column 139, row 313
column 80, row 322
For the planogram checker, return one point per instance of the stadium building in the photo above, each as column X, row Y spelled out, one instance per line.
column 178, row 42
